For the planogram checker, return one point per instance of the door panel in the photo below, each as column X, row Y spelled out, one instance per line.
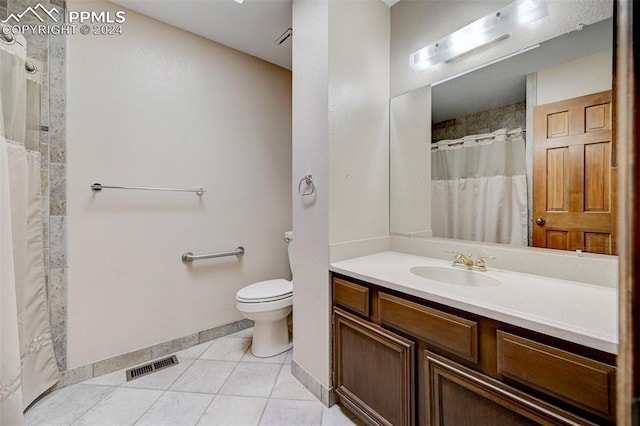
column 597, row 243
column 573, row 189
column 597, row 159
column 558, row 124
column 598, row 117
column 557, row 179
column 558, row 240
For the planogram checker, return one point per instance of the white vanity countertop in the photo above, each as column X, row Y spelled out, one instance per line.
column 581, row 313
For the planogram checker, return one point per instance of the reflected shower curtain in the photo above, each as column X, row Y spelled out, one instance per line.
column 479, row 188
column 27, row 362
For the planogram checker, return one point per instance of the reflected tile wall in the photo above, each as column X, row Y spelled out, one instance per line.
column 504, row 117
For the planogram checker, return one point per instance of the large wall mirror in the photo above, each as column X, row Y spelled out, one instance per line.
column 517, row 149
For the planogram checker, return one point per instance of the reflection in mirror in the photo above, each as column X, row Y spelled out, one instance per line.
column 479, row 188
column 521, row 149
column 410, row 176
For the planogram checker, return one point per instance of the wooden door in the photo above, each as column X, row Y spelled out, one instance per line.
column 459, row 396
column 574, row 185
column 374, row 371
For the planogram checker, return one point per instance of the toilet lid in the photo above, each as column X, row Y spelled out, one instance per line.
column 265, row 291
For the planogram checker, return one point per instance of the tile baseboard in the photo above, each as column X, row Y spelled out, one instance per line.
column 325, row 395
column 131, row 359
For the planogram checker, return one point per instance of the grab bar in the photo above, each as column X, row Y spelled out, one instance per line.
column 100, row 187
column 190, row 257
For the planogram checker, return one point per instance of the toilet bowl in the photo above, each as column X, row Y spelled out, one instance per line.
column 268, row 304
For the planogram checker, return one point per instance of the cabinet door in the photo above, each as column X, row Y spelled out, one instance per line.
column 458, row 396
column 373, row 371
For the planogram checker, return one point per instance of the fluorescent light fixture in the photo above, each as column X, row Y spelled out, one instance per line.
column 239, row 1
column 480, row 33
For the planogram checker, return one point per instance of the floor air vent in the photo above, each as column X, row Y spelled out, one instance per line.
column 143, row 370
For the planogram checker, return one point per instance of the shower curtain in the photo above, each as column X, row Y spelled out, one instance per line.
column 27, row 362
column 479, row 188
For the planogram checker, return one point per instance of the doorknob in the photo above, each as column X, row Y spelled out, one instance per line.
column 540, row 221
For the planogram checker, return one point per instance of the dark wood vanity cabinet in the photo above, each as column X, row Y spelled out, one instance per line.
column 387, row 396
column 400, row 360
column 456, row 395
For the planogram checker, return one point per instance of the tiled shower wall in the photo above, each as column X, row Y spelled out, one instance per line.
column 504, row 117
column 51, row 52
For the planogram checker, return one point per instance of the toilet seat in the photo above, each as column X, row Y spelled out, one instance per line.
column 265, row 307
column 265, row 291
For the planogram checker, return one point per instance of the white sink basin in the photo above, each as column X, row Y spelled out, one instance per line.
column 455, row 276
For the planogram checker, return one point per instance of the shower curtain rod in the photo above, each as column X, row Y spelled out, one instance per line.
column 460, row 141
column 99, row 187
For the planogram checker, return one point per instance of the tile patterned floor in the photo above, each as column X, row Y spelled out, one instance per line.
column 216, row 383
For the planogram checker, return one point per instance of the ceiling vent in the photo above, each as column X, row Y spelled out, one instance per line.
column 285, row 40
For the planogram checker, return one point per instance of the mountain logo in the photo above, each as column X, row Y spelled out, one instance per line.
column 51, row 13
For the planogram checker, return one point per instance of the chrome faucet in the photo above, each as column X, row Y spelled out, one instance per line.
column 466, row 261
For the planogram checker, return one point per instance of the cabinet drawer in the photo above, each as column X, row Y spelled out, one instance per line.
column 456, row 335
column 580, row 381
column 351, row 296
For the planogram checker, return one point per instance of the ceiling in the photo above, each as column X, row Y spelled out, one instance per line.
column 254, row 26
column 504, row 82
column 251, row 27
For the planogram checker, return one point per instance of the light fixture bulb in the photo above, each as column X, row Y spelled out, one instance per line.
column 525, row 6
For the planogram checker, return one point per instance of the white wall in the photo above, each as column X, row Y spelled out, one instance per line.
column 581, row 77
column 416, row 24
column 410, row 163
column 358, row 120
column 311, row 294
column 340, row 135
column 158, row 106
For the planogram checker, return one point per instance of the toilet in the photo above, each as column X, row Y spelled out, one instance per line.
column 268, row 304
